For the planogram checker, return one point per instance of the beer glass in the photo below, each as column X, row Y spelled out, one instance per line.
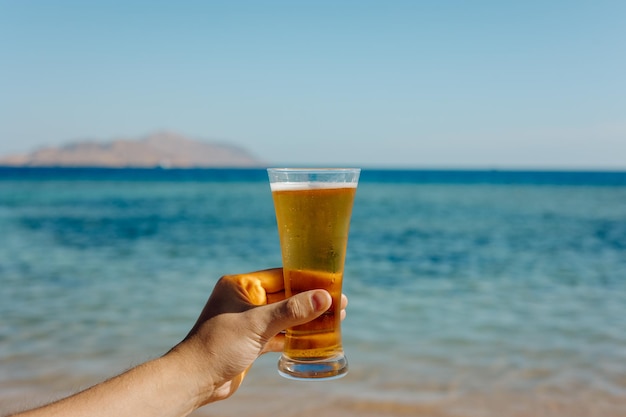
column 313, row 209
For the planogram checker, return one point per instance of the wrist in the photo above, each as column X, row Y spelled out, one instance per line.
column 196, row 384
column 193, row 369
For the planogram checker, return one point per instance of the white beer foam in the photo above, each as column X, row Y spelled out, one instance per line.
column 314, row 185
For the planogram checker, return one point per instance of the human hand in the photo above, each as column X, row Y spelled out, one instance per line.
column 242, row 320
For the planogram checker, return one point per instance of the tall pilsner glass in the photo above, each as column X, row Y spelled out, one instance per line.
column 313, row 210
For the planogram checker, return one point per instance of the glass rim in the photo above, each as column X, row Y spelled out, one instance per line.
column 313, row 170
column 314, row 175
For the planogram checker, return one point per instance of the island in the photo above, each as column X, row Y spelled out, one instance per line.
column 162, row 149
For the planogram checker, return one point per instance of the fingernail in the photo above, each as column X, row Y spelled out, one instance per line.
column 320, row 301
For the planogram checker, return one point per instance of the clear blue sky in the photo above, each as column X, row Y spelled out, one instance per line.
column 489, row 84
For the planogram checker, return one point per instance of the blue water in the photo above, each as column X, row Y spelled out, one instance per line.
column 469, row 290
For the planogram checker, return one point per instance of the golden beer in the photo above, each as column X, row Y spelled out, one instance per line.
column 313, row 222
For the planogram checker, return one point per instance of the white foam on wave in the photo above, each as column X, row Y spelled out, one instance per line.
column 313, row 185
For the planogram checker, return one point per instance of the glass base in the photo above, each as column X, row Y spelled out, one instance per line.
column 314, row 370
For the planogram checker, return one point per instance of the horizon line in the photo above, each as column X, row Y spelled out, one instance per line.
column 372, row 167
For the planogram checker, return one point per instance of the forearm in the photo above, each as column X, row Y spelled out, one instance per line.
column 209, row 365
column 162, row 387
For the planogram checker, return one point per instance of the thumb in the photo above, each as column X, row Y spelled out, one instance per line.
column 298, row 309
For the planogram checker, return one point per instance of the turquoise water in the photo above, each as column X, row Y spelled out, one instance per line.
column 466, row 292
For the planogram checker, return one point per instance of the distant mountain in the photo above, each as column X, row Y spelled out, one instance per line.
column 165, row 149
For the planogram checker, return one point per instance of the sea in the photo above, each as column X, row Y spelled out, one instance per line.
column 472, row 293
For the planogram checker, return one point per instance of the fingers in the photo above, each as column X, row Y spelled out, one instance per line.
column 277, row 343
column 259, row 287
column 271, row 279
column 344, row 304
column 299, row 309
column 266, row 286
